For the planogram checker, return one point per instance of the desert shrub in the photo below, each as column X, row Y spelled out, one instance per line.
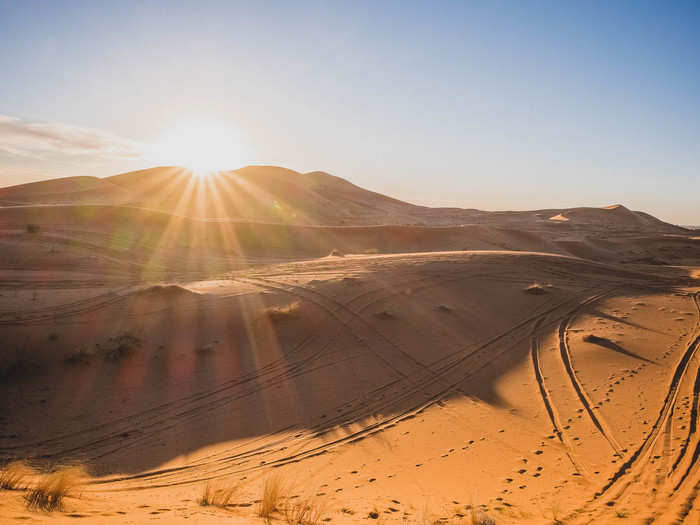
column 218, row 497
column 283, row 312
column 274, row 490
column 335, row 252
column 13, row 476
column 32, row 228
column 50, row 491
column 122, row 346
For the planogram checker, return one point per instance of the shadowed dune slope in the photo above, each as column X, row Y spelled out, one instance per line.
column 373, row 378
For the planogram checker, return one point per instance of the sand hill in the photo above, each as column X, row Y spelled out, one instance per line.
column 164, row 362
column 273, row 194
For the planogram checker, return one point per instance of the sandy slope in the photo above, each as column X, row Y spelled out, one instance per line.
column 413, row 385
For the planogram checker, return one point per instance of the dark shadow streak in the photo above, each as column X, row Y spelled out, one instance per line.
column 610, row 345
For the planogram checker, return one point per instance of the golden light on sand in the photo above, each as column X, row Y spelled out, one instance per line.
column 202, row 145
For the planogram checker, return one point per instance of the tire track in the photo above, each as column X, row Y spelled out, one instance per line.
column 652, row 436
column 693, row 425
column 565, row 353
column 547, row 400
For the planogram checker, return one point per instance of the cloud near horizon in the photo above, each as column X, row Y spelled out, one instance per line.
column 22, row 138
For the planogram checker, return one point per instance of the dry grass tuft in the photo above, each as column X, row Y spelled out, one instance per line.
column 50, row 491
column 274, row 490
column 309, row 511
column 479, row 517
column 335, row 252
column 283, row 312
column 14, row 476
column 218, row 497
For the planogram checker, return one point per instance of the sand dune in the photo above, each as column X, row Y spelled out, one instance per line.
column 280, row 195
column 529, row 370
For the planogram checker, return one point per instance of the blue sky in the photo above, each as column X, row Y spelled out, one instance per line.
column 490, row 105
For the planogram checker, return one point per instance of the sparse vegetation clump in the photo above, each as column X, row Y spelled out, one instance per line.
column 32, row 228
column 218, row 497
column 13, row 476
column 283, row 312
column 274, row 490
column 122, row 346
column 335, row 252
column 479, row 517
column 50, row 491
column 309, row 511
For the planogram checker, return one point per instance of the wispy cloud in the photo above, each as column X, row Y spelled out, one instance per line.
column 39, row 139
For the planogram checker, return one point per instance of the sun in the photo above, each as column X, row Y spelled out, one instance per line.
column 202, row 145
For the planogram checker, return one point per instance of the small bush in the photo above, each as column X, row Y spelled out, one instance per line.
column 14, row 476
column 48, row 494
column 32, row 228
column 335, row 252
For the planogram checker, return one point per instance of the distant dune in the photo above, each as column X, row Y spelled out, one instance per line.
column 279, row 195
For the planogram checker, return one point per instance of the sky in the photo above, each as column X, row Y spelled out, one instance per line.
column 493, row 105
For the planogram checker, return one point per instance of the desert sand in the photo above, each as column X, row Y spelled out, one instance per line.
column 381, row 362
